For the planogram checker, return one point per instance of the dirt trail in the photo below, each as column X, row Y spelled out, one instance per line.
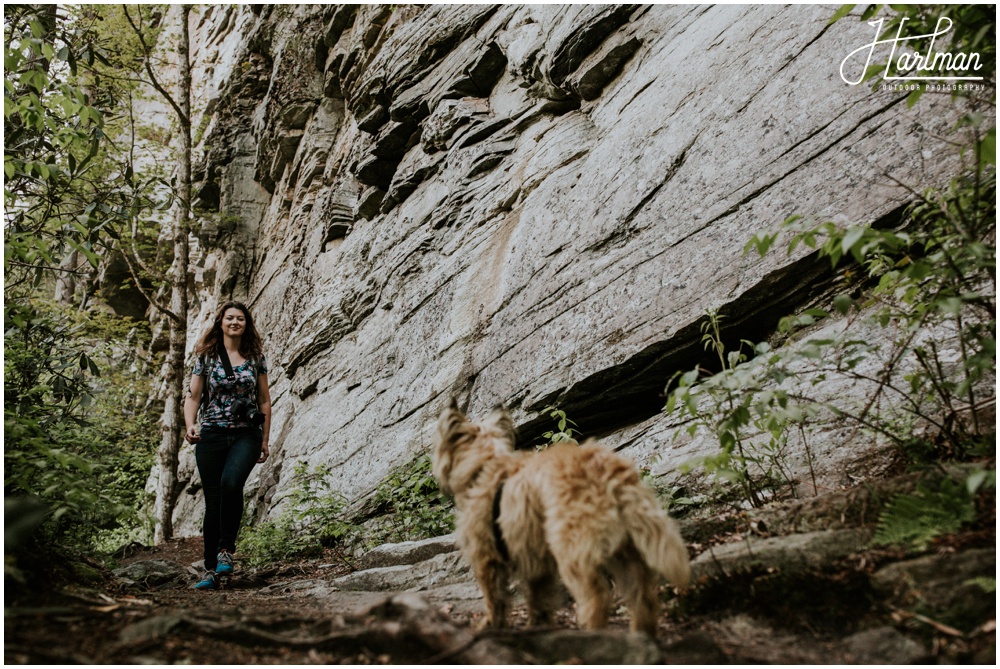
column 254, row 622
column 808, row 591
column 168, row 625
column 250, row 622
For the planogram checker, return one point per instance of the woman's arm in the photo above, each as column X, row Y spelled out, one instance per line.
column 191, row 403
column 264, row 406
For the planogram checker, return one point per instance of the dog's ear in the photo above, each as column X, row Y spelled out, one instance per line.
column 451, row 418
column 501, row 426
column 452, row 426
column 441, row 462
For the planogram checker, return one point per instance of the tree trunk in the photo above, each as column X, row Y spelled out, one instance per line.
column 66, row 281
column 172, row 421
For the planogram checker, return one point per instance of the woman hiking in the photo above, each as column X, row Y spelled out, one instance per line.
column 235, row 420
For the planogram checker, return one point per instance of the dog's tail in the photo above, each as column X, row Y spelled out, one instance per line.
column 654, row 533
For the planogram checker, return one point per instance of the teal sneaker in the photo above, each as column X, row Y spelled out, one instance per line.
column 225, row 563
column 209, row 582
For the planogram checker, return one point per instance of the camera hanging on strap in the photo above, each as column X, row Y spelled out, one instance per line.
column 242, row 408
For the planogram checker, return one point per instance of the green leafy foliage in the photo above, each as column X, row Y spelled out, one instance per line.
column 414, row 505
column 565, row 431
column 73, row 199
column 673, row 498
column 52, row 133
column 986, row 584
column 743, row 409
column 314, row 518
column 77, row 433
column 913, row 521
column 937, row 270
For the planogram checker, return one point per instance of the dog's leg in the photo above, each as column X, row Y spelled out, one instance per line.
column 646, row 605
column 591, row 591
column 492, row 579
column 636, row 583
column 543, row 597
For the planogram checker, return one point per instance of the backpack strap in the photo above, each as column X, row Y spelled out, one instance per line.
column 224, row 357
column 205, row 392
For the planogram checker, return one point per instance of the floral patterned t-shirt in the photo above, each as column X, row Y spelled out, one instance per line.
column 223, row 391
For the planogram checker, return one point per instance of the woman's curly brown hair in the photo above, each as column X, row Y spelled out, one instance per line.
column 251, row 347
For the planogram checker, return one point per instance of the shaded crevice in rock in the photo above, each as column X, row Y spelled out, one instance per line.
column 394, row 140
column 402, row 188
column 375, row 171
column 326, row 327
column 634, row 390
column 595, row 76
column 342, row 19
column 482, row 131
column 585, row 39
column 482, row 75
column 369, row 202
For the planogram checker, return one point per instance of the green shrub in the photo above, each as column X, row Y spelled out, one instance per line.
column 78, row 436
column 414, row 505
column 314, row 518
column 745, row 410
column 934, row 272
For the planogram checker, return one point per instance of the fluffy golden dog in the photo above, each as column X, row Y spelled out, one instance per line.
column 576, row 512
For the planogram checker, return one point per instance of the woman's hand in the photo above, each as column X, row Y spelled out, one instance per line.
column 191, row 403
column 264, row 406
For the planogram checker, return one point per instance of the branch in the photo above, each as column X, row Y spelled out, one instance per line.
column 181, row 116
column 142, row 291
column 65, row 270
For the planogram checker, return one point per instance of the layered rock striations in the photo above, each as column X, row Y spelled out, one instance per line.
column 526, row 205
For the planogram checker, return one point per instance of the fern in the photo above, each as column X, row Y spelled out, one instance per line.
column 915, row 520
column 985, row 583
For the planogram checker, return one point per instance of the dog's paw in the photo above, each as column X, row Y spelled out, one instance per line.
column 483, row 623
column 479, row 623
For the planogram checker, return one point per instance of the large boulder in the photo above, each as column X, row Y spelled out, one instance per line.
column 953, row 587
column 407, row 552
column 791, row 554
column 524, row 204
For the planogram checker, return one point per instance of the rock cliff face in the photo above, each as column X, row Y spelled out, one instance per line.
column 520, row 205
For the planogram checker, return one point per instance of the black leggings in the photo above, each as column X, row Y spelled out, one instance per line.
column 225, row 457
